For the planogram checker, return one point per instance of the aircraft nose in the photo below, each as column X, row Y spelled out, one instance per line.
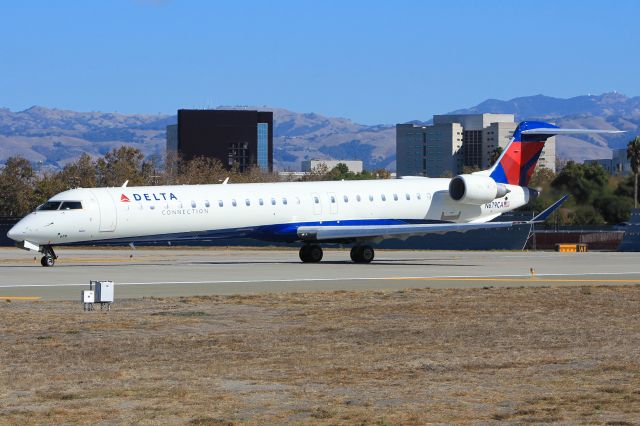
column 14, row 232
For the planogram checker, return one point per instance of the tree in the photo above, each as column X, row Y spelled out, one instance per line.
column 613, row 208
column 467, row 170
column 79, row 174
column 382, row 174
column 318, row 172
column 121, row 165
column 585, row 215
column 633, row 155
column 17, row 182
column 541, row 177
column 495, row 154
column 585, row 182
column 201, row 170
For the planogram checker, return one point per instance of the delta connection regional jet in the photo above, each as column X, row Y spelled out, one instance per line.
column 349, row 212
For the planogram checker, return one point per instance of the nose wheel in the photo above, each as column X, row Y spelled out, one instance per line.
column 362, row 254
column 311, row 253
column 49, row 258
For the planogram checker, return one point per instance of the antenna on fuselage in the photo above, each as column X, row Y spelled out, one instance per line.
column 225, row 181
column 124, row 185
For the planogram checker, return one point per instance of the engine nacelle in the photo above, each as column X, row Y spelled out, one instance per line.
column 476, row 189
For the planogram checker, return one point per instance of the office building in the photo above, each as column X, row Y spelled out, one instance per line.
column 433, row 151
column 455, row 141
column 618, row 164
column 240, row 137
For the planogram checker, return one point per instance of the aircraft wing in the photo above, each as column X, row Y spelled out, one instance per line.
column 320, row 233
column 350, row 232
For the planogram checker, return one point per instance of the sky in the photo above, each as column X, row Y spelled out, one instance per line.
column 370, row 61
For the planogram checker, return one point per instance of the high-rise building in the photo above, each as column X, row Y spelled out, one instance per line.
column 239, row 137
column 455, row 141
column 428, row 150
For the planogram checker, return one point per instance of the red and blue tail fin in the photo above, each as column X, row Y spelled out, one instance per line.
column 518, row 160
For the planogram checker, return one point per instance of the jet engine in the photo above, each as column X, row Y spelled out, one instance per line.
column 476, row 189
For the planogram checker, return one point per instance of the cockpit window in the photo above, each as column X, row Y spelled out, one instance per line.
column 71, row 205
column 50, row 205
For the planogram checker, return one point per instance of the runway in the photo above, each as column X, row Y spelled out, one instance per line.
column 204, row 271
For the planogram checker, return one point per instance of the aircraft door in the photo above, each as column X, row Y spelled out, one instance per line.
column 107, row 208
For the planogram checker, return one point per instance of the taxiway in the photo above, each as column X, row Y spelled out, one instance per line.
column 205, row 271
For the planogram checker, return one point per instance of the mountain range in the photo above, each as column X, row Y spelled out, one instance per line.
column 53, row 137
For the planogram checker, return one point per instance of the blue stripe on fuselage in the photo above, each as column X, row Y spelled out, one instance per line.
column 286, row 232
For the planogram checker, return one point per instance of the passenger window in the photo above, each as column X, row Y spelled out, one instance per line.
column 220, row 203
column 233, row 202
column 297, row 200
column 261, row 202
column 206, row 203
column 284, row 201
column 50, row 205
column 152, row 207
column 408, row 196
column 247, row 202
column 418, row 196
column 384, row 197
column 346, row 199
column 358, row 198
column 395, row 197
column 370, row 197
column 316, row 200
column 193, row 204
column 333, row 199
column 71, row 205
column 273, row 201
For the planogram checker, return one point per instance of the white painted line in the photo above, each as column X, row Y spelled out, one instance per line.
column 287, row 280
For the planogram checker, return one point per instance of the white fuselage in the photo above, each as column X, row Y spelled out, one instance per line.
column 268, row 211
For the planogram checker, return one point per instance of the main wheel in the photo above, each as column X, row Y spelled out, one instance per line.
column 356, row 253
column 315, row 253
column 47, row 260
column 367, row 254
column 311, row 253
column 362, row 254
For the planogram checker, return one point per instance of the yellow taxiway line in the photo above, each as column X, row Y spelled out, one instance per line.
column 20, row 298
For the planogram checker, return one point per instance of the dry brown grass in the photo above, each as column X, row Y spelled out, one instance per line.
column 520, row 355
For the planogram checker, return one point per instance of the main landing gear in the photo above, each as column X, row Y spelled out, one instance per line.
column 362, row 254
column 49, row 256
column 312, row 253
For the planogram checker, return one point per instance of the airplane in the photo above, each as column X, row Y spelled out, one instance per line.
column 358, row 213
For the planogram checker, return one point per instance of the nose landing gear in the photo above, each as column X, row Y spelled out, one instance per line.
column 49, row 256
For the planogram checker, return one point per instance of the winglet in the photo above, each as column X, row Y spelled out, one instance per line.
column 541, row 217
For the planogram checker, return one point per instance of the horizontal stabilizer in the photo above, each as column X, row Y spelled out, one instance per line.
column 555, row 131
column 541, row 217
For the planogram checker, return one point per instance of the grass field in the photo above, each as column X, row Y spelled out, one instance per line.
column 521, row 355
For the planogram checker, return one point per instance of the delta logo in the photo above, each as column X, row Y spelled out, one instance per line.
column 154, row 196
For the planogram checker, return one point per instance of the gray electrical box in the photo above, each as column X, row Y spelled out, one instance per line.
column 104, row 291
